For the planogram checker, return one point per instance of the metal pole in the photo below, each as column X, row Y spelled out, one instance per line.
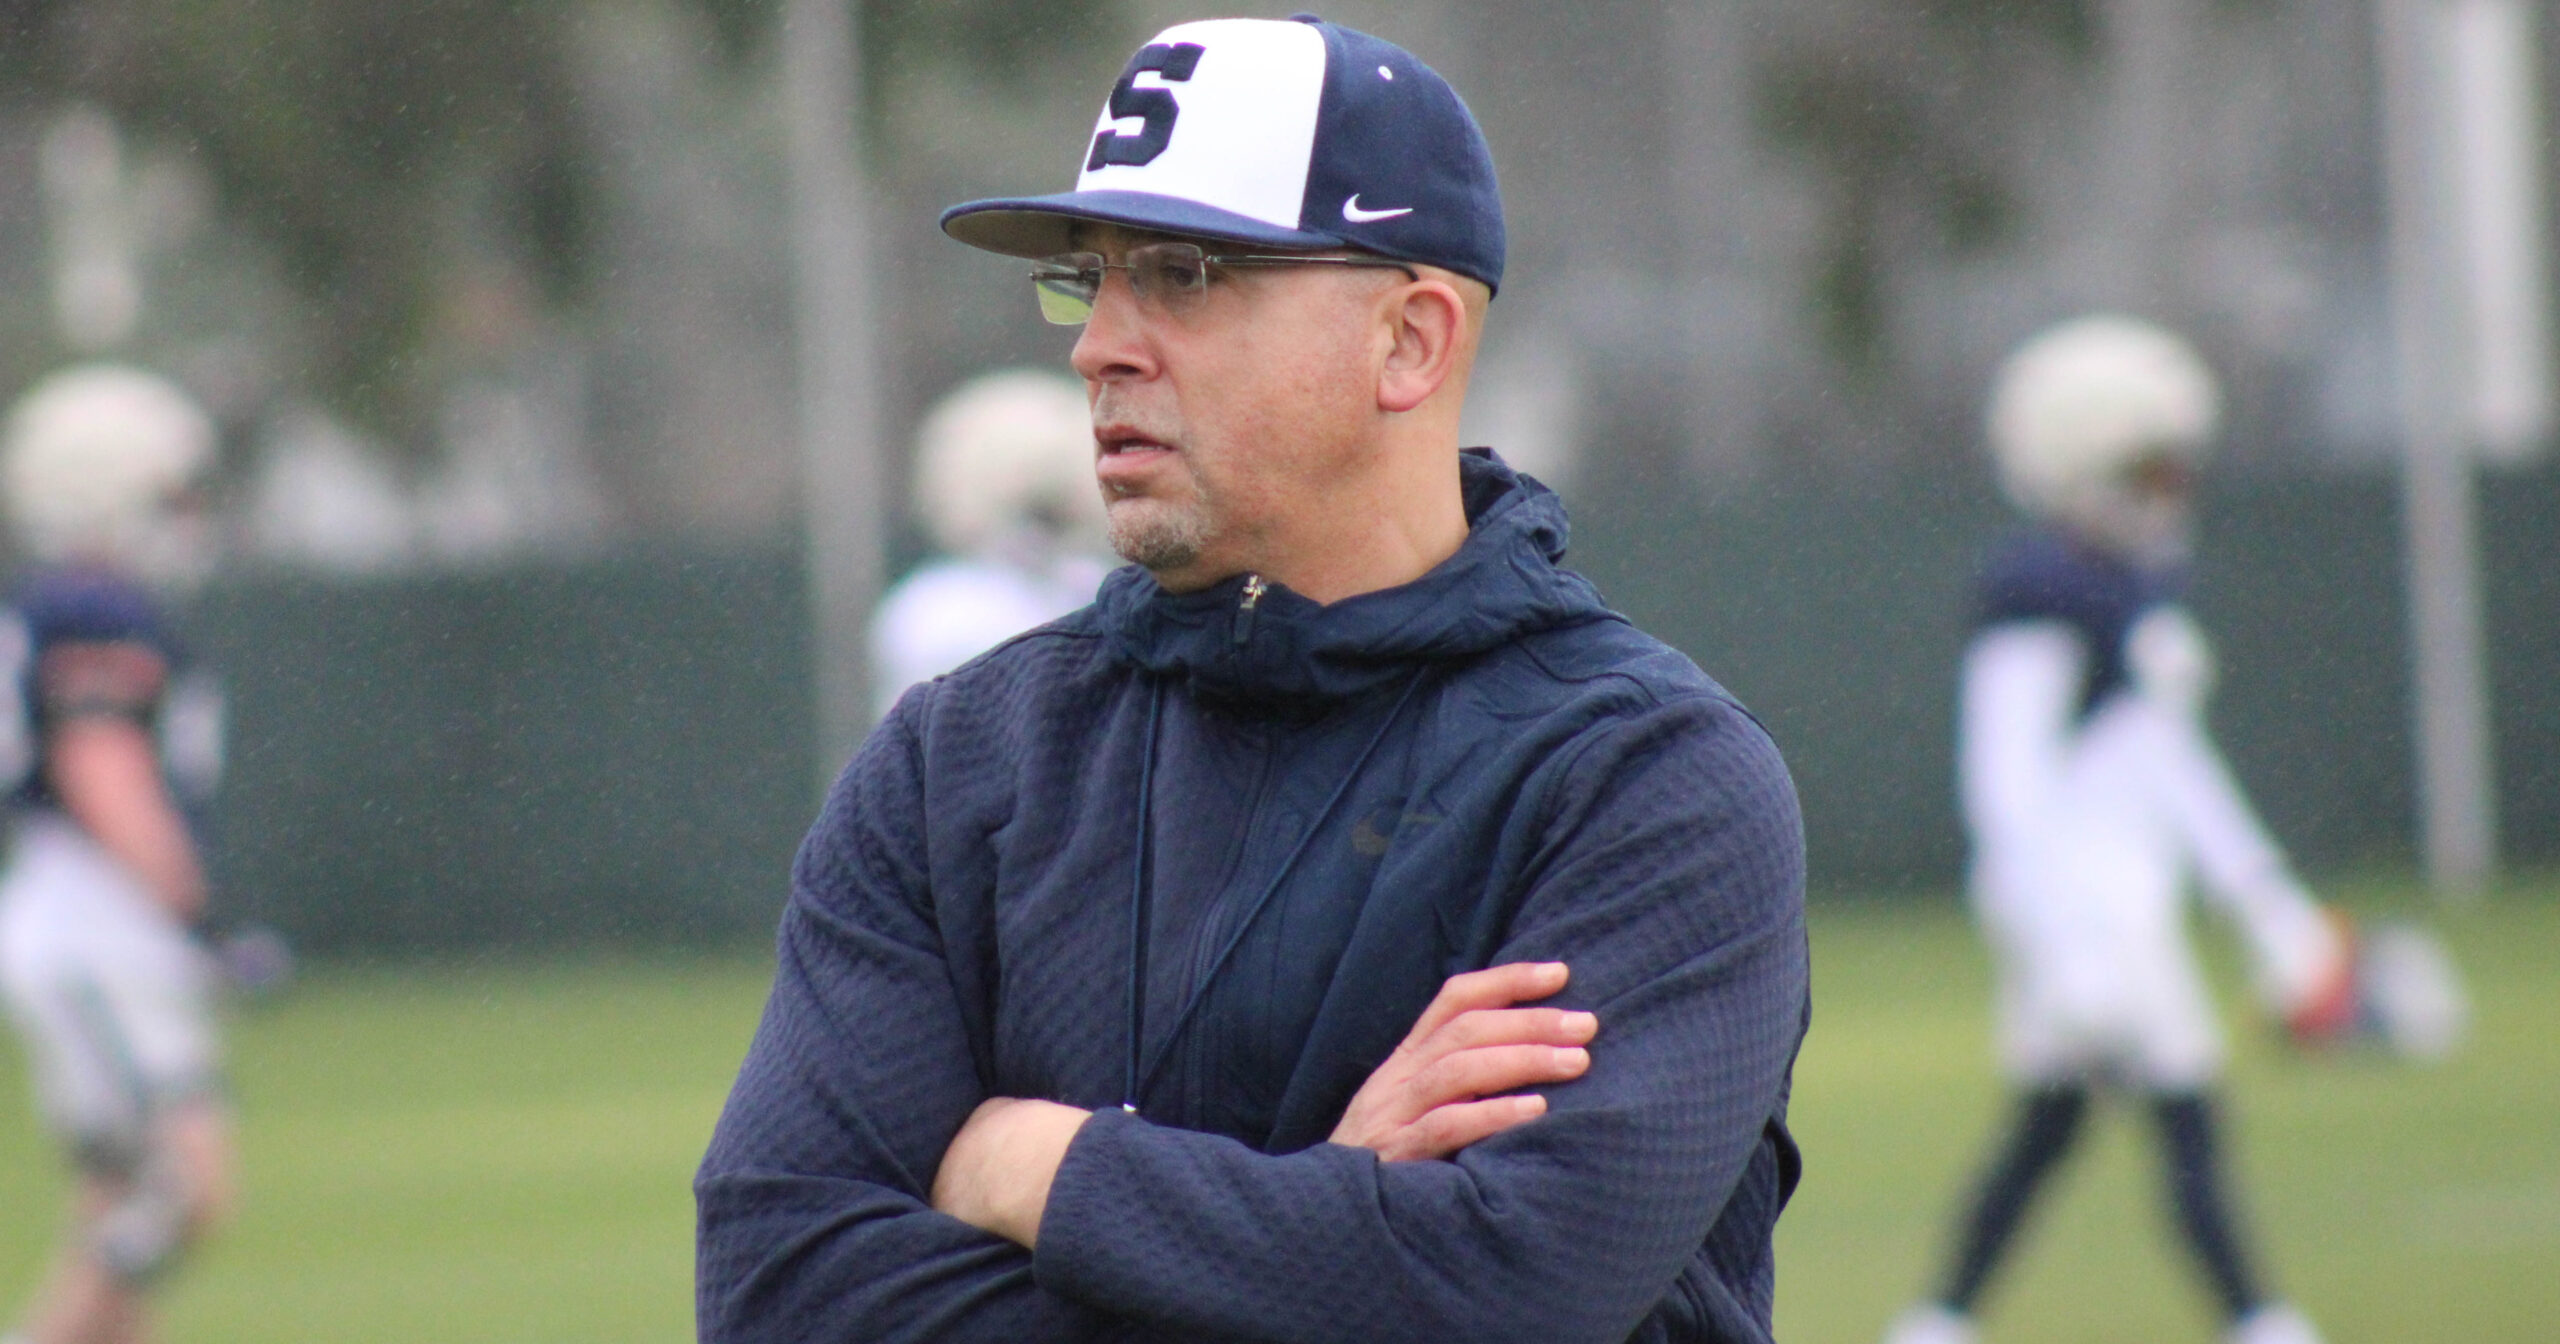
column 2495, row 104
column 2456, row 783
column 842, row 501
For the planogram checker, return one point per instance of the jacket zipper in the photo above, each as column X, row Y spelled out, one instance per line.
column 1254, row 588
column 1214, row 927
column 1233, row 923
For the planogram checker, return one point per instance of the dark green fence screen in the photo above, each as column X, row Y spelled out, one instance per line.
column 614, row 752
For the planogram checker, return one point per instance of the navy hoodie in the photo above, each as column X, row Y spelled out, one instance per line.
column 1210, row 855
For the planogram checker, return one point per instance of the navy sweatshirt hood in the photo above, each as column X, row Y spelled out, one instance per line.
column 1504, row 583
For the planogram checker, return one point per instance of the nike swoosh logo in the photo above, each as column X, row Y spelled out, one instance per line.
column 1351, row 211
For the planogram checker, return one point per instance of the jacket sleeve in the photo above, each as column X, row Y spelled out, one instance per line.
column 1667, row 869
column 813, row 1201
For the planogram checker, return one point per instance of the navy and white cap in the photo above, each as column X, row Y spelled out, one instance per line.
column 1287, row 134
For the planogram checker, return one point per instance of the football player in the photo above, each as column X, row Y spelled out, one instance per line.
column 109, row 736
column 2093, row 792
column 1004, row 479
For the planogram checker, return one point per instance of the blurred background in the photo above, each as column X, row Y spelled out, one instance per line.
column 568, row 356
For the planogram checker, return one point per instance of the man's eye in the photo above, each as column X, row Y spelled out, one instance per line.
column 1181, row 274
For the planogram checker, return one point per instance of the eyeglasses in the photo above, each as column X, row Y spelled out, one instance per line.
column 1172, row 276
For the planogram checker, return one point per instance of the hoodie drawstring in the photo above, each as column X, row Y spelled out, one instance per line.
column 1140, row 1077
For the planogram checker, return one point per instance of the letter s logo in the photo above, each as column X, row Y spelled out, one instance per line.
column 1175, row 63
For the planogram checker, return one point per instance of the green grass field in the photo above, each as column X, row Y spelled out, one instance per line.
column 500, row 1154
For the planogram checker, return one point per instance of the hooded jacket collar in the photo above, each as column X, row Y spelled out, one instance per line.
column 1241, row 638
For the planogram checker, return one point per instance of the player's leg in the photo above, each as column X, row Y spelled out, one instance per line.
column 184, row 1191
column 130, row 1224
column 195, row 1137
column 80, row 1302
column 120, row 1022
column 2048, row 1052
column 183, row 1185
column 2178, row 1057
column 85, row 1104
column 2200, row 1193
column 2042, row 1130
column 2190, row 1150
column 2044, row 1125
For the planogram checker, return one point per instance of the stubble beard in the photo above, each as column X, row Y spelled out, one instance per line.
column 1157, row 534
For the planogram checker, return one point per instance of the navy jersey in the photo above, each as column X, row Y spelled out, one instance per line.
column 2037, row 574
column 77, row 642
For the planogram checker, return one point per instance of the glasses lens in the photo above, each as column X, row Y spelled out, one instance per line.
column 1065, row 302
column 1065, row 286
column 1172, row 274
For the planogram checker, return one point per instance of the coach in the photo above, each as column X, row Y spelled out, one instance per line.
column 1346, row 929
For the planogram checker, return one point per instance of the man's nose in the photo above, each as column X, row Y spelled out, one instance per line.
column 1115, row 345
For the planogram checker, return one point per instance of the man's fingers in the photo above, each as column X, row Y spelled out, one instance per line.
column 1470, row 1043
column 1493, row 987
column 1510, row 1026
column 1469, row 1074
column 1450, row 1128
column 1483, row 1029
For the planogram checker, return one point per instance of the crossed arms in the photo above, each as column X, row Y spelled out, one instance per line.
column 864, row 1186
column 1450, row 1083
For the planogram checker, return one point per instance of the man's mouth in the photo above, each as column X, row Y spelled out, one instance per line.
column 1121, row 441
column 1126, row 458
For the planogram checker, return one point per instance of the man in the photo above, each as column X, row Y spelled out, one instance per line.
column 1004, row 478
column 110, row 736
column 2091, row 790
column 1159, row 975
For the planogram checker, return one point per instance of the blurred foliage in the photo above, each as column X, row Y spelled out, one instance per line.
column 386, row 150
column 2070, row 24
column 988, row 35
column 1894, row 131
column 374, row 146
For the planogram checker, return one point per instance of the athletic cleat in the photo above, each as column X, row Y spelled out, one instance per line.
column 1931, row 1323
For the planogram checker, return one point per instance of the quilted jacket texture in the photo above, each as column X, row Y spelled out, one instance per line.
column 1210, row 854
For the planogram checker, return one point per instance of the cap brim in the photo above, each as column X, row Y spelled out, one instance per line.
column 1037, row 226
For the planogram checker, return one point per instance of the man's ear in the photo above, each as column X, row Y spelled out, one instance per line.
column 1421, row 326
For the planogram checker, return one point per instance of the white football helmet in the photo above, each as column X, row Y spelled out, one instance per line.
column 95, row 464
column 2097, row 423
column 1007, row 459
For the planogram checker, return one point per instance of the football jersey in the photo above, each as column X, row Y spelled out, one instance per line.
column 2094, row 793
column 950, row 611
column 2041, row 575
column 78, row 642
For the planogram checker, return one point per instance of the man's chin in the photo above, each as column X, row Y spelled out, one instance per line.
column 1165, row 540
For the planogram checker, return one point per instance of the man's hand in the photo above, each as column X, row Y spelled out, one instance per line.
column 995, row 1176
column 1437, row 1093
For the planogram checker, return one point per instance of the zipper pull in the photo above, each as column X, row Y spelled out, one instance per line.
column 1254, row 588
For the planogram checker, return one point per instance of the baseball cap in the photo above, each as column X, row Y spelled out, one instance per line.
column 1289, row 133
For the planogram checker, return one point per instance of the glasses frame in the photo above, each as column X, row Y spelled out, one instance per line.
column 1063, row 288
